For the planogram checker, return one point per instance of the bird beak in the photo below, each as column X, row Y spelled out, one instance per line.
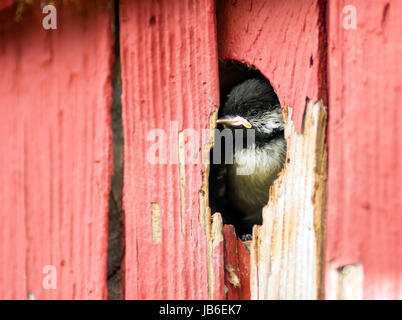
column 234, row 122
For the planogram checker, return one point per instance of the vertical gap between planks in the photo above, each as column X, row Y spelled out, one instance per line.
column 115, row 229
column 322, row 164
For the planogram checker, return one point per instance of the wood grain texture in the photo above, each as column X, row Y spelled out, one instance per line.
column 285, row 40
column 287, row 250
column 237, row 266
column 55, row 146
column 364, row 134
column 170, row 82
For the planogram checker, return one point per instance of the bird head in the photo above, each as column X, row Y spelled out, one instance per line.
column 253, row 105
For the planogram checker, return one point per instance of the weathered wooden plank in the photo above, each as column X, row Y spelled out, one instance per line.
column 285, row 40
column 55, row 139
column 287, row 250
column 365, row 168
column 170, row 82
column 237, row 266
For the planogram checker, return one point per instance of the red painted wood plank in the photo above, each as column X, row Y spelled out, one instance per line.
column 244, row 266
column 365, row 168
column 283, row 39
column 237, row 266
column 170, row 82
column 6, row 3
column 55, row 146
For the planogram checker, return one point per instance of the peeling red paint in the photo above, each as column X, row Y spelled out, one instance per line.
column 280, row 38
column 170, row 73
column 364, row 142
column 55, row 145
column 55, row 138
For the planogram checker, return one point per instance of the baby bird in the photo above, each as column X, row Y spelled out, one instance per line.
column 243, row 186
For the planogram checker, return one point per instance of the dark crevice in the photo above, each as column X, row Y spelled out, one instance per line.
column 323, row 80
column 115, row 246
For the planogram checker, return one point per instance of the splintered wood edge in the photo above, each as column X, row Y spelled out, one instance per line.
column 320, row 195
column 254, row 264
column 264, row 240
column 213, row 226
column 203, row 194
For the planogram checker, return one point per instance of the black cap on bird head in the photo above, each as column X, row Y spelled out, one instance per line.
column 253, row 104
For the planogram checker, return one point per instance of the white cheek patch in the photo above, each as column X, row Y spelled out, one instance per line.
column 271, row 121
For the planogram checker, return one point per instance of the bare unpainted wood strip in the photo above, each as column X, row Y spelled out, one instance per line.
column 216, row 230
column 286, row 253
column 156, row 223
column 215, row 256
column 346, row 282
column 233, row 277
column 203, row 195
column 205, row 221
column 254, row 265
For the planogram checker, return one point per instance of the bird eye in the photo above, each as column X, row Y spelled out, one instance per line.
column 253, row 113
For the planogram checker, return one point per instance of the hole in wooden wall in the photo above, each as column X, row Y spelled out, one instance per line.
column 231, row 74
column 115, row 246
